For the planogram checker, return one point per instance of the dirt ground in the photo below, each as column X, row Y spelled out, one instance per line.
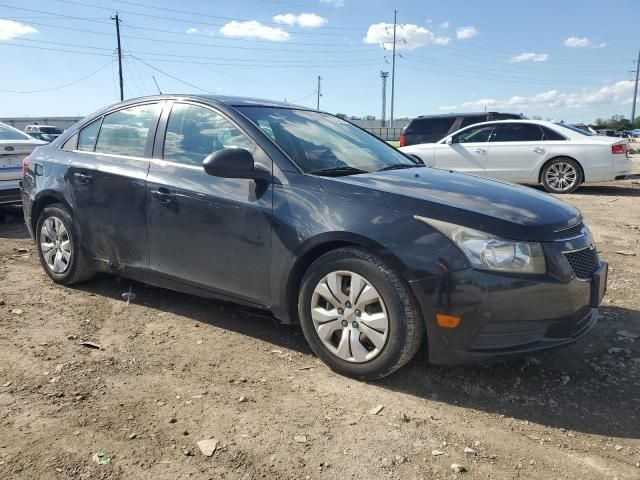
column 175, row 369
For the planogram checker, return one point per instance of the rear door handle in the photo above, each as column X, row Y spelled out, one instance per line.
column 480, row 150
column 83, row 178
column 538, row 150
column 162, row 195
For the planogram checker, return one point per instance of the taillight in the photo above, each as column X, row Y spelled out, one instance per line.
column 25, row 164
column 619, row 148
column 403, row 140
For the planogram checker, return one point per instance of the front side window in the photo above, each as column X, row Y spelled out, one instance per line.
column 517, row 132
column 88, row 135
column 477, row 134
column 323, row 144
column 194, row 132
column 125, row 132
column 7, row 133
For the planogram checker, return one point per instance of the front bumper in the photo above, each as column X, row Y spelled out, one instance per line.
column 506, row 315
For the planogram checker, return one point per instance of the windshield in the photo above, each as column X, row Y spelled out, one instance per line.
column 319, row 142
column 7, row 133
column 51, row 130
column 575, row 129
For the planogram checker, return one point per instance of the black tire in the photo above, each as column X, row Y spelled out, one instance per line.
column 405, row 326
column 79, row 267
column 556, row 163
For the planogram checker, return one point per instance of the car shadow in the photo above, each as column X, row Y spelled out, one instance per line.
column 582, row 387
column 12, row 223
column 621, row 190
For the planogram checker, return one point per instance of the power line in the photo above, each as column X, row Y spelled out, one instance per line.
column 169, row 75
column 61, row 86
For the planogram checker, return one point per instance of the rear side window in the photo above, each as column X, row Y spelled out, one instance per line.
column 87, row 137
column 466, row 121
column 125, row 132
column 437, row 127
column 194, row 132
column 551, row 134
column 504, row 116
column 517, row 132
column 478, row 134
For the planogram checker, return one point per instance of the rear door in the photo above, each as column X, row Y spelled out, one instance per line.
column 207, row 231
column 107, row 172
column 516, row 149
column 467, row 152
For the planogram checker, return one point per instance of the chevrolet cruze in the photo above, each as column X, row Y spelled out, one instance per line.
column 301, row 213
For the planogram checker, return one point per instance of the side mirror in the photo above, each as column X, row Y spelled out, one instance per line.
column 449, row 140
column 231, row 163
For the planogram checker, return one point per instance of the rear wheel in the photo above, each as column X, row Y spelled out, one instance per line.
column 59, row 249
column 561, row 175
column 357, row 314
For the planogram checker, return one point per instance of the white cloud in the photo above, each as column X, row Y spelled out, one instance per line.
column 254, row 29
column 10, row 29
column 464, row 33
column 304, row 20
column 577, row 42
column 408, row 36
column 192, row 30
column 600, row 45
column 335, row 3
column 615, row 93
column 530, row 57
column 444, row 25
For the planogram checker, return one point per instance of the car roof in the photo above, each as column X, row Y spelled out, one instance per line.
column 471, row 114
column 231, row 101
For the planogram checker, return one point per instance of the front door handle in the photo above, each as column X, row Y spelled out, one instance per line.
column 538, row 150
column 162, row 195
column 83, row 178
column 480, row 150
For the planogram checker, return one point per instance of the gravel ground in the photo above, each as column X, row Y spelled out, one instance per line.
column 175, row 369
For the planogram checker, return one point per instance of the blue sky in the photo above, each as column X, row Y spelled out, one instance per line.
column 565, row 60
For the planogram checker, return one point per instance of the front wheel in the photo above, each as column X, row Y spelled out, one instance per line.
column 357, row 315
column 561, row 175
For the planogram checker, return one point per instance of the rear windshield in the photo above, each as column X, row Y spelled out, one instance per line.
column 575, row 129
column 51, row 130
column 7, row 133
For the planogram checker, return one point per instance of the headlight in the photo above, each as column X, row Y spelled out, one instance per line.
column 488, row 252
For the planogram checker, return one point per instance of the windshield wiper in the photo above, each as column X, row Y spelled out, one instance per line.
column 400, row 166
column 337, row 171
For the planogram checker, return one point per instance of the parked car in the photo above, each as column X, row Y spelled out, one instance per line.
column 431, row 128
column 48, row 133
column 299, row 212
column 14, row 146
column 530, row 152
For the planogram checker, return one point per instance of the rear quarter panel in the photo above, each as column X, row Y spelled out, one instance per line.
column 594, row 158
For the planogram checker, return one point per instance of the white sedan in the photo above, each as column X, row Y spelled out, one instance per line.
column 530, row 152
column 14, row 146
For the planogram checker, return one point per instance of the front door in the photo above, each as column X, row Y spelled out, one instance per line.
column 467, row 151
column 107, row 172
column 207, row 231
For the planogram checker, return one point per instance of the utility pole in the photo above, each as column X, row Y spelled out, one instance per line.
column 635, row 91
column 117, row 19
column 319, row 92
column 393, row 65
column 383, row 76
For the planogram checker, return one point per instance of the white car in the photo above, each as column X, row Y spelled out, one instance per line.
column 530, row 152
column 14, row 147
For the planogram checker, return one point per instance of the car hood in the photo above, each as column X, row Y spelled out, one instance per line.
column 504, row 209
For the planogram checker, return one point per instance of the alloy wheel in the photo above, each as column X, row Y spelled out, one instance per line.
column 349, row 316
column 561, row 176
column 55, row 245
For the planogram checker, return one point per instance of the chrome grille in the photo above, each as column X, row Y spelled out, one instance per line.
column 584, row 262
column 570, row 232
